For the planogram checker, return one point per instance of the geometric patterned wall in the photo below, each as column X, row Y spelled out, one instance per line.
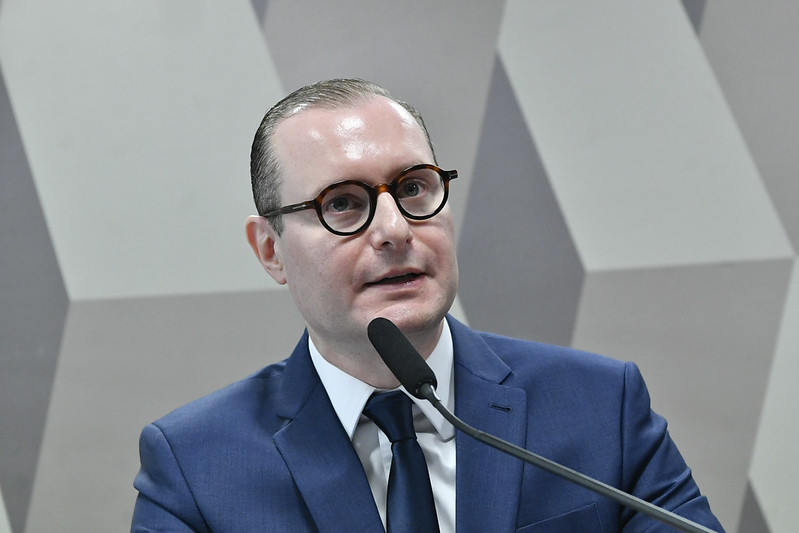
column 628, row 186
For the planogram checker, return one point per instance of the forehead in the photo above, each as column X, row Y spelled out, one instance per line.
column 376, row 127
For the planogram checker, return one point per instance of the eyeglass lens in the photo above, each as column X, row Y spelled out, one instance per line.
column 347, row 206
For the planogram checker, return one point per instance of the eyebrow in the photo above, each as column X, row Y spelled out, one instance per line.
column 400, row 169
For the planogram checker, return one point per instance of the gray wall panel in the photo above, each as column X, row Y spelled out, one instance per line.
column 751, row 46
column 752, row 518
column 33, row 304
column 531, row 286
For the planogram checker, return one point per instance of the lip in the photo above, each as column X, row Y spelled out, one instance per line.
column 396, row 278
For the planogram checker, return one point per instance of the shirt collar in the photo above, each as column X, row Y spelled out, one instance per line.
column 349, row 394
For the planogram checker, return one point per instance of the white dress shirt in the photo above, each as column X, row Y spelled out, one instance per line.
column 436, row 436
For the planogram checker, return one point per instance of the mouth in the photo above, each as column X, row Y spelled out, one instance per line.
column 396, row 280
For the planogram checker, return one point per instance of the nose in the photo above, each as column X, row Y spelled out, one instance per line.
column 388, row 227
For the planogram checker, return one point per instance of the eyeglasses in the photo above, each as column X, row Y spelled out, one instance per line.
column 347, row 207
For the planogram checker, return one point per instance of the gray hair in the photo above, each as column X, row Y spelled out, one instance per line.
column 329, row 94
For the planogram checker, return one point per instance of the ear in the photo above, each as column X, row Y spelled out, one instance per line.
column 265, row 243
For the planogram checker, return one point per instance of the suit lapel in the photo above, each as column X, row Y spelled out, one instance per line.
column 319, row 454
column 331, row 479
column 488, row 480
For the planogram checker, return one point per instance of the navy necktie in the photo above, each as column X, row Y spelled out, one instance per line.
column 410, row 506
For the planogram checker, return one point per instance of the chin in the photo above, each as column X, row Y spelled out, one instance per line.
column 413, row 322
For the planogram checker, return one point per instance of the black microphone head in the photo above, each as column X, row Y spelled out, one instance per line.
column 400, row 356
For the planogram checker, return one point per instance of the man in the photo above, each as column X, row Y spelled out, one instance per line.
column 353, row 219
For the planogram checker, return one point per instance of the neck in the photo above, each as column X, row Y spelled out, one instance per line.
column 359, row 359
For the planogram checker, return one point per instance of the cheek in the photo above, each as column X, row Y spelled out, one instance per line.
column 318, row 269
column 451, row 266
column 442, row 243
column 300, row 267
column 446, row 258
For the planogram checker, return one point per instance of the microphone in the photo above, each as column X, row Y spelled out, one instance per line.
column 418, row 378
column 400, row 356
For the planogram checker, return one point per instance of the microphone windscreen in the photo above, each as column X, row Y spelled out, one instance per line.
column 400, row 356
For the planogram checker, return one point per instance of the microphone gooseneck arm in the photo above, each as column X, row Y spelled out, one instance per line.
column 418, row 379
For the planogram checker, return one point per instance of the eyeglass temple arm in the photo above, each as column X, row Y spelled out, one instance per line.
column 285, row 210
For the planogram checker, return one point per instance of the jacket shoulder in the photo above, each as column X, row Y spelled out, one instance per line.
column 246, row 400
column 527, row 356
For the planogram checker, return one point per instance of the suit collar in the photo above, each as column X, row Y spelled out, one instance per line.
column 473, row 355
column 298, row 382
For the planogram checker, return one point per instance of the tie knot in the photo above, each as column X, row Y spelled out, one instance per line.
column 391, row 411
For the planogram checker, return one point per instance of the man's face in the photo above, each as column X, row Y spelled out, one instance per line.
column 403, row 270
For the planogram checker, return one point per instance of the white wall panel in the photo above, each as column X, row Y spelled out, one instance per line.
column 5, row 527
column 775, row 464
column 137, row 119
column 643, row 153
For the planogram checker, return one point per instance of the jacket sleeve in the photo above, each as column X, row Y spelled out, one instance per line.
column 165, row 502
column 653, row 468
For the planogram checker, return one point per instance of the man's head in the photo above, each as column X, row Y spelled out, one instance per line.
column 396, row 267
column 265, row 172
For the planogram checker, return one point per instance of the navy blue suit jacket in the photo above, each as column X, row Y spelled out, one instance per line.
column 268, row 453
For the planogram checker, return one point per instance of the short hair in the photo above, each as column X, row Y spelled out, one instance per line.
column 265, row 171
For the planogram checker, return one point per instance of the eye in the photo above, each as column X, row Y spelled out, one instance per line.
column 412, row 187
column 342, row 204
